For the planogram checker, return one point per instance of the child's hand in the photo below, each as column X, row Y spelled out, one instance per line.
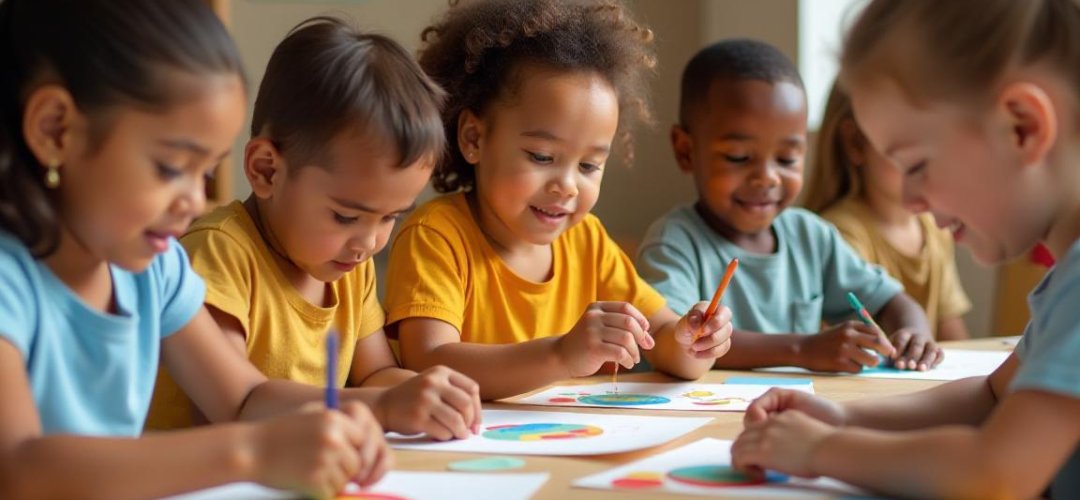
column 713, row 338
column 778, row 400
column 915, row 350
column 608, row 331
column 439, row 402
column 318, row 451
column 840, row 348
column 785, row 442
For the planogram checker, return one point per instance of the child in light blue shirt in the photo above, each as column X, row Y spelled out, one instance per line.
column 742, row 135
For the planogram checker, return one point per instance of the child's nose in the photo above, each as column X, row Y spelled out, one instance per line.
column 912, row 199
column 766, row 174
column 565, row 184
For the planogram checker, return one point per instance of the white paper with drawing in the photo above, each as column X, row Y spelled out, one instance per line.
column 704, row 468
column 654, row 396
column 555, row 433
column 402, row 485
column 958, row 364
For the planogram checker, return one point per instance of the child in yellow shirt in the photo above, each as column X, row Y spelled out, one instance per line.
column 510, row 279
column 345, row 132
column 858, row 190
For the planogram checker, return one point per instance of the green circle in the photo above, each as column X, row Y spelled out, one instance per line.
column 486, row 464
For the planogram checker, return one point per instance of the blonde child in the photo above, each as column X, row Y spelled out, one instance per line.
column 509, row 278
column 107, row 133
column 742, row 136
column 976, row 102
column 858, row 190
column 345, row 133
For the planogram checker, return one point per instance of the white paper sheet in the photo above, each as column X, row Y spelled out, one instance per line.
column 958, row 364
column 554, row 433
column 402, row 485
column 653, row 396
column 684, row 470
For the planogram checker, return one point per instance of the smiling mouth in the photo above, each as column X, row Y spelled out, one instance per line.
column 549, row 213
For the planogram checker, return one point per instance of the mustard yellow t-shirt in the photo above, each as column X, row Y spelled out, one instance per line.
column 442, row 267
column 285, row 333
column 929, row 277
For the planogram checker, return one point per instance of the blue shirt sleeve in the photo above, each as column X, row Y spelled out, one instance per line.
column 181, row 290
column 665, row 261
column 17, row 307
column 1050, row 347
column 846, row 271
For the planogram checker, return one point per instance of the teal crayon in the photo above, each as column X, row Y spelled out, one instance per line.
column 867, row 319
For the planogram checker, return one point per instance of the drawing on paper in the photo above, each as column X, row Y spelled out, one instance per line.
column 541, row 431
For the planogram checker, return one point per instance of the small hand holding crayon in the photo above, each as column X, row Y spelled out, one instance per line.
column 439, row 402
column 706, row 331
column 845, row 347
column 317, row 452
column 606, row 332
column 915, row 350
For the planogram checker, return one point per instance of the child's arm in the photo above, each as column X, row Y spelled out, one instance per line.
column 677, row 353
column 1014, row 454
column 607, row 331
column 281, row 452
column 438, row 402
column 962, row 402
column 911, row 334
column 374, row 364
column 839, row 348
column 952, row 329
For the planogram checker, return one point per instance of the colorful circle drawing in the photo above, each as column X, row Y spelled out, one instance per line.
column 715, row 476
column 639, row 481
column 539, row 432
column 707, row 398
column 623, row 399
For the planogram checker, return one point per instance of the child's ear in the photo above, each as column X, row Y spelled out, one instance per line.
column 470, row 136
column 264, row 166
column 854, row 143
column 682, row 144
column 1032, row 120
column 47, row 125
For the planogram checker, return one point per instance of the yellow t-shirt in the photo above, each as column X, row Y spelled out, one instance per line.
column 442, row 267
column 929, row 277
column 285, row 333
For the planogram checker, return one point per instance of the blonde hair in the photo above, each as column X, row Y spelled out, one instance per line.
column 960, row 49
column 833, row 177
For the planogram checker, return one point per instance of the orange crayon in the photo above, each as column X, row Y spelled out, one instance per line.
column 716, row 296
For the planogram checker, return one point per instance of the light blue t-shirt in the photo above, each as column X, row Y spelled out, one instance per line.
column 793, row 290
column 1049, row 351
column 92, row 373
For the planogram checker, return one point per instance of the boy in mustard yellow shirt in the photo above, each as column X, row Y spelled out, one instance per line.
column 345, row 132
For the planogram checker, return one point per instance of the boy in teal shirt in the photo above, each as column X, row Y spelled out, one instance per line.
column 742, row 135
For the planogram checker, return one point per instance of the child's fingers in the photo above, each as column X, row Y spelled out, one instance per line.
column 623, row 339
column 713, row 352
column 461, row 402
column 859, row 355
column 617, row 354
column 721, row 318
column 870, row 338
column 624, row 308
column 774, row 400
column 472, row 390
column 453, row 425
column 622, row 322
column 900, row 341
column 929, row 356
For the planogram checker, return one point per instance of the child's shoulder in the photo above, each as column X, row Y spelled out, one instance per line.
column 18, row 268
column 680, row 224
column 226, row 227
column 800, row 221
column 441, row 213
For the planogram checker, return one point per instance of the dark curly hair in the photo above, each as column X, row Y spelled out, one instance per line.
column 475, row 48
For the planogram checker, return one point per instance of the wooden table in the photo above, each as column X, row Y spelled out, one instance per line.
column 725, row 425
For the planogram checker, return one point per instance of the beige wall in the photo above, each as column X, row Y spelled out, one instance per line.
column 632, row 197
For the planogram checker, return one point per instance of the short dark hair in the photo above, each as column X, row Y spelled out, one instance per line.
column 732, row 59
column 106, row 53
column 326, row 76
column 476, row 50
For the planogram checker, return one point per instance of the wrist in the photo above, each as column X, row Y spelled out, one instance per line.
column 817, row 463
column 796, row 350
column 379, row 410
column 242, row 451
column 556, row 360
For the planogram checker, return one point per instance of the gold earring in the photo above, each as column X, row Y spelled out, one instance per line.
column 52, row 174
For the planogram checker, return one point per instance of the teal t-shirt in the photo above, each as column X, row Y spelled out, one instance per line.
column 1050, row 348
column 792, row 290
column 92, row 373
